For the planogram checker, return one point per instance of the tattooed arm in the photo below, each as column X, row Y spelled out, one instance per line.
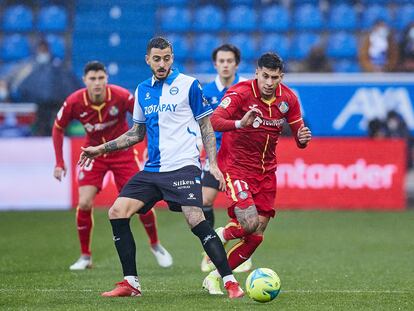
column 209, row 142
column 135, row 135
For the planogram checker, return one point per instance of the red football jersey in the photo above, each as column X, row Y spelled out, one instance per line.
column 102, row 122
column 253, row 149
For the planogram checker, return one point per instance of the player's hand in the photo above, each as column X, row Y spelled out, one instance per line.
column 90, row 153
column 215, row 171
column 250, row 116
column 304, row 135
column 59, row 172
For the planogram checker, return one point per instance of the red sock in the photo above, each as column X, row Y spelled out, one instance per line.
column 84, row 221
column 233, row 231
column 243, row 250
column 150, row 226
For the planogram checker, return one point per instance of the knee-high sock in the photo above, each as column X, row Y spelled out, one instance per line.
column 213, row 247
column 209, row 214
column 125, row 245
column 84, row 221
column 234, row 230
column 149, row 221
column 243, row 250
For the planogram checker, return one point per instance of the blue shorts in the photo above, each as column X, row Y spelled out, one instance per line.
column 178, row 188
column 210, row 181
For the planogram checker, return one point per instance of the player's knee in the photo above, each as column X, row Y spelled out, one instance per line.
column 116, row 212
column 251, row 225
column 85, row 205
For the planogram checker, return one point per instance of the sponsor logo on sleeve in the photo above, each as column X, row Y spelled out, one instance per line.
column 225, row 102
column 147, row 96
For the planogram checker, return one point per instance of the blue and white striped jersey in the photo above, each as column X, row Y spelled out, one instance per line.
column 170, row 110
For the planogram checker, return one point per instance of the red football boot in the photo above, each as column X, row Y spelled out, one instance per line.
column 234, row 290
column 123, row 289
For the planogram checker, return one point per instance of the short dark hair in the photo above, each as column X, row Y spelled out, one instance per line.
column 227, row 48
column 270, row 60
column 158, row 43
column 93, row 66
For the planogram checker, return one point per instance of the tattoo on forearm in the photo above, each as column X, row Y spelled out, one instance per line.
column 128, row 139
column 209, row 138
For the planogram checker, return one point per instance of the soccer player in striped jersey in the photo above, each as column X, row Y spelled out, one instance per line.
column 171, row 109
column 251, row 115
column 102, row 109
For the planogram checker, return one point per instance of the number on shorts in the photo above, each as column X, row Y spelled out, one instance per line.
column 241, row 185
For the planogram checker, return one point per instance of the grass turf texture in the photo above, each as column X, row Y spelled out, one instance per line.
column 326, row 261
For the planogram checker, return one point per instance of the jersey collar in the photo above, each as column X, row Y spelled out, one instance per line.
column 256, row 91
column 171, row 77
column 220, row 85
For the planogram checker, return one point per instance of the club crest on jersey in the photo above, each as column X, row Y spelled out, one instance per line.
column 283, row 107
column 174, row 90
column 225, row 102
column 113, row 111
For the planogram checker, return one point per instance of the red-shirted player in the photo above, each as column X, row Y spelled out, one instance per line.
column 251, row 115
column 102, row 109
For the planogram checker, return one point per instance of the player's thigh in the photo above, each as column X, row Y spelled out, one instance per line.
column 86, row 196
column 93, row 174
column 209, row 195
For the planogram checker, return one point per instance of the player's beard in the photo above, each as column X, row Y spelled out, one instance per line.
column 155, row 72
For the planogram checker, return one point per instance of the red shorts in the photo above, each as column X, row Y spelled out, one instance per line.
column 123, row 164
column 245, row 191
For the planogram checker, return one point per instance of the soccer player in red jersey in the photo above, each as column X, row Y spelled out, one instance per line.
column 251, row 115
column 102, row 109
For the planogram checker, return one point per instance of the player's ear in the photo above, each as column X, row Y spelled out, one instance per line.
column 147, row 59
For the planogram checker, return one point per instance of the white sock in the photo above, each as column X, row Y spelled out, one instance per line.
column 133, row 281
column 228, row 278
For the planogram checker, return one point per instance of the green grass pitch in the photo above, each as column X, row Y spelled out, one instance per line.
column 326, row 261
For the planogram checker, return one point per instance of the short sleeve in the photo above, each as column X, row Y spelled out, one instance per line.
column 198, row 103
column 138, row 115
column 64, row 115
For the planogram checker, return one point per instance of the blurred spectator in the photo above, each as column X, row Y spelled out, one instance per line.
column 407, row 49
column 317, row 60
column 377, row 129
column 379, row 51
column 45, row 81
column 397, row 128
column 4, row 91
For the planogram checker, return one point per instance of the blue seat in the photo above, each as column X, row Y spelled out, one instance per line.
column 52, row 18
column 405, row 15
column 208, row 18
column 14, row 47
column 308, row 17
column 57, row 45
column 204, row 67
column 343, row 17
column 245, row 2
column 342, row 44
column 176, row 19
column 375, row 12
column 203, row 46
column 246, row 44
column 346, row 65
column 241, row 18
column 175, row 2
column 247, row 68
column 18, row 18
column 277, row 43
column 181, row 46
column 275, row 18
column 302, row 44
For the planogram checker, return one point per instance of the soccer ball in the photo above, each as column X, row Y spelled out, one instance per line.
column 263, row 285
